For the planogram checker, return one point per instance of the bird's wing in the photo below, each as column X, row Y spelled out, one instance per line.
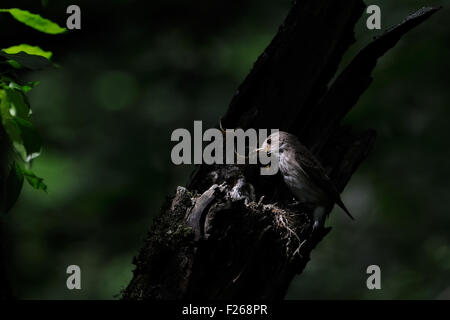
column 312, row 167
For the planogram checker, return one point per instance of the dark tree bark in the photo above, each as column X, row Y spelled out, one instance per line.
column 5, row 290
column 233, row 233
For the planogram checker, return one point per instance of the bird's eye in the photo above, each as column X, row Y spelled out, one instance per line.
column 269, row 141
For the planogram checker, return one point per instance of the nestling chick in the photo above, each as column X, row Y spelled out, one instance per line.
column 304, row 175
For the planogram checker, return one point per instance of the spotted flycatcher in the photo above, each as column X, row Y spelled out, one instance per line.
column 304, row 175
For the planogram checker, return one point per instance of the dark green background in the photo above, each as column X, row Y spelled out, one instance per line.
column 140, row 69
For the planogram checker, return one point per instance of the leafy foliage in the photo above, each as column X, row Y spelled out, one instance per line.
column 31, row 50
column 23, row 60
column 15, row 110
column 35, row 21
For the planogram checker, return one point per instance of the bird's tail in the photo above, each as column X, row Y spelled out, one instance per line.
column 342, row 206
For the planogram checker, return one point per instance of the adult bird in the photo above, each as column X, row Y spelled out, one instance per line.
column 304, row 176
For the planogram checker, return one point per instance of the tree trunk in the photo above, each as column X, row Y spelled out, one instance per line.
column 5, row 290
column 233, row 233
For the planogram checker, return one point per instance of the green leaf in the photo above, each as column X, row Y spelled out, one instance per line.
column 31, row 50
column 25, row 60
column 13, row 132
column 34, row 181
column 31, row 139
column 18, row 104
column 14, row 184
column 28, row 86
column 14, row 64
column 6, row 82
column 35, row 21
column 16, row 121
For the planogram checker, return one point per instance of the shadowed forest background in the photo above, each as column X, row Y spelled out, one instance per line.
column 137, row 71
